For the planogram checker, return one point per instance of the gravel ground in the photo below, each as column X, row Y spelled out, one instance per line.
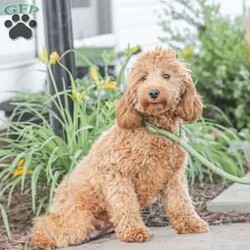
column 21, row 219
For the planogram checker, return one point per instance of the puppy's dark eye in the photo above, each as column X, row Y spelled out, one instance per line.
column 166, row 76
column 144, row 78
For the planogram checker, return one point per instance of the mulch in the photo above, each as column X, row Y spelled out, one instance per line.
column 21, row 218
column 154, row 215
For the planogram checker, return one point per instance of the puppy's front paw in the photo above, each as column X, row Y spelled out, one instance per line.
column 193, row 225
column 135, row 234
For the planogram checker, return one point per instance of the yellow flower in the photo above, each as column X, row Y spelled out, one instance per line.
column 94, row 73
column 188, row 52
column 19, row 170
column 129, row 51
column 110, row 85
column 53, row 57
column 44, row 56
column 21, row 162
column 78, row 96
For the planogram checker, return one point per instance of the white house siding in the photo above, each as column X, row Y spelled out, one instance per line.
column 233, row 7
column 135, row 22
column 84, row 21
column 27, row 77
column 20, row 69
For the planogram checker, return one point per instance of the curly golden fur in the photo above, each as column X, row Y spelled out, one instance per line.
column 127, row 167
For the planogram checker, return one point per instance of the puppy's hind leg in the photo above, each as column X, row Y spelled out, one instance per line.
column 69, row 227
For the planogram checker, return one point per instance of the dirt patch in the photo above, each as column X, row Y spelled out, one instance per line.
column 154, row 215
column 201, row 195
column 21, row 218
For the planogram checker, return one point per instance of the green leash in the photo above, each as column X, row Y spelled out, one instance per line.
column 192, row 152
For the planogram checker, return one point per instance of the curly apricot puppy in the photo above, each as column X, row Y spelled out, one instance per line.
column 127, row 167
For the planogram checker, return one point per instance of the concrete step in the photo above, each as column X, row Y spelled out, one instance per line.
column 223, row 237
column 234, row 199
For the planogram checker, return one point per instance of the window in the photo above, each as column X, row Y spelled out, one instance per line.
column 80, row 3
column 91, row 18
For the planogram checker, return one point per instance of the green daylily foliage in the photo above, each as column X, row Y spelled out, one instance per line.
column 48, row 158
column 220, row 61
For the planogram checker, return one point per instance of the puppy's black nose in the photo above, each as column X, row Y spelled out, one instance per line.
column 154, row 93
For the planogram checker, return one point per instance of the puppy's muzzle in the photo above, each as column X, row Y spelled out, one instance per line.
column 154, row 93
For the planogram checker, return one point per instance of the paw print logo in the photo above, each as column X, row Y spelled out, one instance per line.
column 20, row 27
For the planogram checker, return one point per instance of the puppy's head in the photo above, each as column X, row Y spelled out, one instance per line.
column 159, row 84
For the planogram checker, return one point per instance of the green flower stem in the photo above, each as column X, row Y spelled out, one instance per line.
column 106, row 70
column 195, row 154
column 98, row 108
column 56, row 91
column 121, row 73
column 69, row 73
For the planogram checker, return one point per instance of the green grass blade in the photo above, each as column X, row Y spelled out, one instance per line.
column 5, row 220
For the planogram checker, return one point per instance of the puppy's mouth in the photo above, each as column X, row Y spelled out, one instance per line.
column 156, row 101
column 151, row 107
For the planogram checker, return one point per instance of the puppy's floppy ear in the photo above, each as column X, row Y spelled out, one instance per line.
column 126, row 115
column 191, row 105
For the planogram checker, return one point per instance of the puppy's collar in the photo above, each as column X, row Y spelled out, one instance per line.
column 180, row 131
